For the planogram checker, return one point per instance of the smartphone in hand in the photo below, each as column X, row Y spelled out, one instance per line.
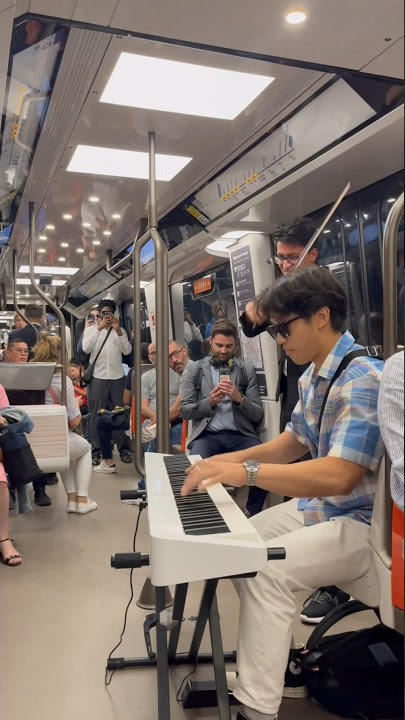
column 224, row 374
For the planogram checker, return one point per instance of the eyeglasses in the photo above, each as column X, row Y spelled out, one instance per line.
column 20, row 351
column 281, row 328
column 175, row 354
column 291, row 259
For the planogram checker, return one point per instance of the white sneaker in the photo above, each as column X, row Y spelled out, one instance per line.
column 104, row 468
column 71, row 506
column 136, row 501
column 83, row 508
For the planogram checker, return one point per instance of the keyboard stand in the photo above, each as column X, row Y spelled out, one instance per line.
column 166, row 649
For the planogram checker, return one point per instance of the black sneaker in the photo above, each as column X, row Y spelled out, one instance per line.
column 294, row 686
column 12, row 499
column 95, row 459
column 42, row 499
column 126, row 456
column 241, row 716
column 321, row 602
column 52, row 479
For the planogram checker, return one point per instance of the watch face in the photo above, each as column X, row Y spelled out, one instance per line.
column 251, row 465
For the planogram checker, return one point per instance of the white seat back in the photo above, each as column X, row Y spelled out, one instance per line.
column 49, row 439
column 374, row 588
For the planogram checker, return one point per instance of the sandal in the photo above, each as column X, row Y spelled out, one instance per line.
column 7, row 560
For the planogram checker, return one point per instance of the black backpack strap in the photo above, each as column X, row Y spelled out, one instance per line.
column 242, row 377
column 198, row 376
column 364, row 352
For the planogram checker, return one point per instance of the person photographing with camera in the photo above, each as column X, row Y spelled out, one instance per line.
column 106, row 341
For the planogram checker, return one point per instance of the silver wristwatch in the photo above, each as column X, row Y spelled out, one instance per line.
column 252, row 468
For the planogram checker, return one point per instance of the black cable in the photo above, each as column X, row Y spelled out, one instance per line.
column 107, row 682
column 178, row 694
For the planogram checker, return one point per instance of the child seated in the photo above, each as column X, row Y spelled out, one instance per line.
column 75, row 373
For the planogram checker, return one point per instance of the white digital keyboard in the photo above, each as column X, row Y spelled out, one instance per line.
column 199, row 537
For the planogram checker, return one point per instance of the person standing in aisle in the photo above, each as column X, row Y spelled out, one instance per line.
column 106, row 342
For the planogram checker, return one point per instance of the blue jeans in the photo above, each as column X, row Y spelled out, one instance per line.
column 215, row 443
column 106, row 426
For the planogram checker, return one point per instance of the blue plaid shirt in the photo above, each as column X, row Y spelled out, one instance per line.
column 349, row 428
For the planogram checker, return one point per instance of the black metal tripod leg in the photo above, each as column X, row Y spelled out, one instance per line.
column 224, row 712
column 180, row 596
column 210, row 589
column 162, row 658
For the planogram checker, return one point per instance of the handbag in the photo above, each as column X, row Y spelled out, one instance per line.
column 89, row 372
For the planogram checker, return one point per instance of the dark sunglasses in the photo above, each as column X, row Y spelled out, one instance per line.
column 281, row 328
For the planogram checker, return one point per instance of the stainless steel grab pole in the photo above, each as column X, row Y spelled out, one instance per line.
column 15, row 300
column 390, row 277
column 45, row 298
column 162, row 324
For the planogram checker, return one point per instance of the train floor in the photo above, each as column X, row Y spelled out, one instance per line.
column 62, row 612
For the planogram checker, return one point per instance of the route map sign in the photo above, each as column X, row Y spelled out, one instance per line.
column 335, row 112
column 241, row 265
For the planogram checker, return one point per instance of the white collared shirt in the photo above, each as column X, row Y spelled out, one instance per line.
column 109, row 364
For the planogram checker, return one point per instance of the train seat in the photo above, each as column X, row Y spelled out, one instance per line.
column 49, row 439
column 374, row 588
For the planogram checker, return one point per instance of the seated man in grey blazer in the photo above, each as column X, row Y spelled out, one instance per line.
column 221, row 396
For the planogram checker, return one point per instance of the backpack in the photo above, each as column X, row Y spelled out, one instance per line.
column 242, row 377
column 356, row 674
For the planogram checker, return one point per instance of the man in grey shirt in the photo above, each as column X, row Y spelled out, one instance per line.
column 177, row 361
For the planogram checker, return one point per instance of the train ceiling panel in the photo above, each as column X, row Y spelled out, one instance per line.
column 342, row 34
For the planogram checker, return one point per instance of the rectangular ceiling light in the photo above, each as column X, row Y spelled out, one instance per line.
column 177, row 87
column 56, row 282
column 45, row 270
column 124, row 163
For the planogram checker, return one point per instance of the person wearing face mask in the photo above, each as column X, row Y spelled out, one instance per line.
column 106, row 342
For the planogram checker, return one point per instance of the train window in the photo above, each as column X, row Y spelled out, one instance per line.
column 371, row 331
column 199, row 311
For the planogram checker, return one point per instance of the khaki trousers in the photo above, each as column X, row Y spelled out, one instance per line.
column 329, row 553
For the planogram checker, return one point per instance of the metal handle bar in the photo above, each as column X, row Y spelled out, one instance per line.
column 162, row 324
column 390, row 277
column 45, row 298
column 15, row 300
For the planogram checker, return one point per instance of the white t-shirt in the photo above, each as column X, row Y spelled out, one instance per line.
column 55, row 398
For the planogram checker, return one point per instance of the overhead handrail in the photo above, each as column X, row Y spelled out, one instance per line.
column 45, row 298
column 110, row 266
column 162, row 323
column 390, row 344
column 15, row 300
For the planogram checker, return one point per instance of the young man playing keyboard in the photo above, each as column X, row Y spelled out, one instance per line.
column 326, row 528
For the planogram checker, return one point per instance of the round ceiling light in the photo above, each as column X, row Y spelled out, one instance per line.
column 64, row 244
column 80, row 251
column 107, row 233
column 41, row 250
column 86, row 225
column 50, row 227
column 62, row 259
column 96, row 242
column 116, row 216
column 42, row 237
column 94, row 199
column 67, row 216
column 296, row 17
